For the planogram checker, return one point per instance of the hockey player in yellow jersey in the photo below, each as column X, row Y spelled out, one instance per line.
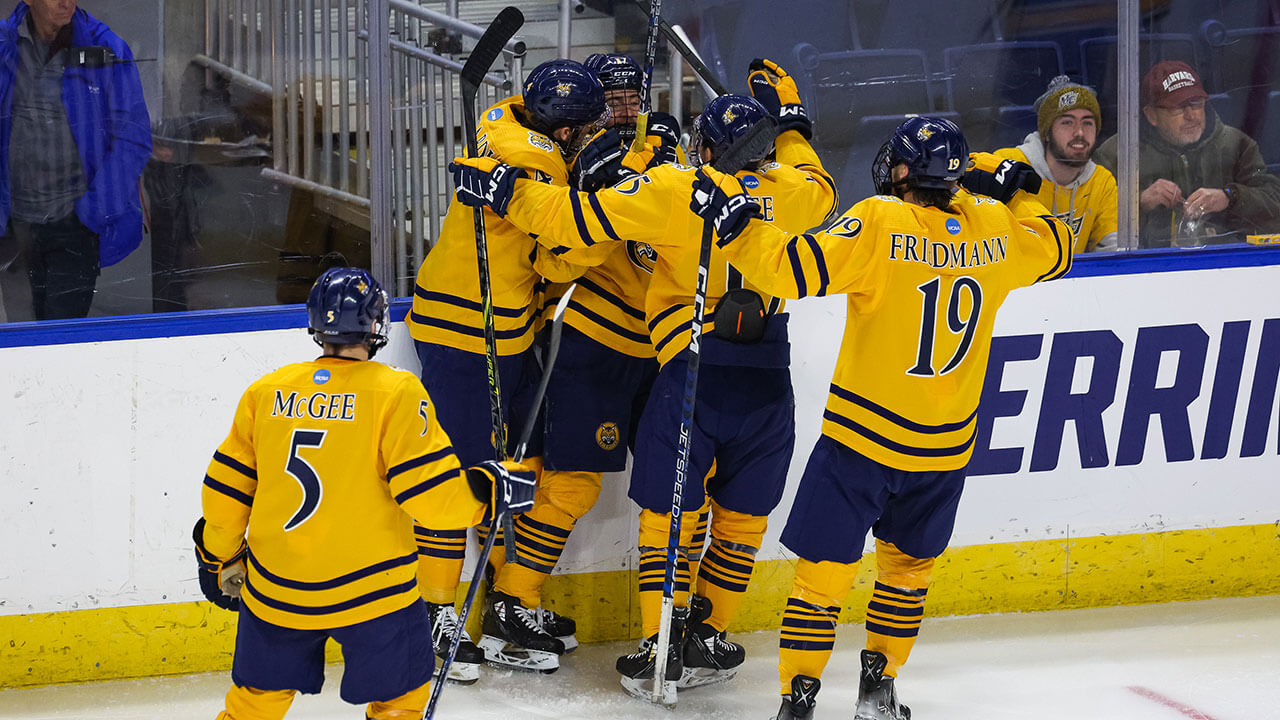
column 605, row 363
column 924, row 268
column 1077, row 190
column 745, row 401
column 561, row 104
column 308, row 511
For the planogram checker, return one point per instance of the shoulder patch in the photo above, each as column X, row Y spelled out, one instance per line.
column 540, row 141
column 493, row 114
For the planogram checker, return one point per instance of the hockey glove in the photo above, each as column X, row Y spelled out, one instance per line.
column 507, row 486
column 776, row 91
column 220, row 580
column 663, row 135
column 599, row 163
column 482, row 182
column 1002, row 183
column 728, row 214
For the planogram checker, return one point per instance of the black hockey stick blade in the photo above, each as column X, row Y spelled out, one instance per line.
column 488, row 48
column 753, row 144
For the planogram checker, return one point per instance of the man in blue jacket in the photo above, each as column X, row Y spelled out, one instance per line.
column 74, row 137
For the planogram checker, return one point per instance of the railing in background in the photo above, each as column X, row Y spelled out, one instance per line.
column 384, row 171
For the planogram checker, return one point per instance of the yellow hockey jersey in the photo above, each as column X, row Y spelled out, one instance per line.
column 325, row 465
column 795, row 192
column 923, row 287
column 446, row 297
column 1089, row 205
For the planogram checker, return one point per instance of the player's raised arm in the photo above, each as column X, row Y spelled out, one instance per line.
column 776, row 91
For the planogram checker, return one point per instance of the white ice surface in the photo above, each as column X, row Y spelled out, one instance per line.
column 1206, row 660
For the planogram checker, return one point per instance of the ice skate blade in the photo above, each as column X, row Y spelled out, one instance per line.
column 498, row 652
column 642, row 688
column 459, row 673
column 699, row 677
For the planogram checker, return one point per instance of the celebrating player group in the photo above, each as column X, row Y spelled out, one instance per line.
column 338, row 507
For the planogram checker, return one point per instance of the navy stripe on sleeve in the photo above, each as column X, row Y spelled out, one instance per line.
column 824, row 280
column 576, row 203
column 604, row 219
column 241, row 497
column 418, row 462
column 424, row 486
column 236, row 465
column 793, row 257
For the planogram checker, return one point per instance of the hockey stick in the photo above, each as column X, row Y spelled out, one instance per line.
column 753, row 144
column 487, row 49
column 553, row 349
column 680, row 42
column 646, row 91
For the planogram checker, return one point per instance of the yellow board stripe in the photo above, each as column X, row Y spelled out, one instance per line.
column 176, row 638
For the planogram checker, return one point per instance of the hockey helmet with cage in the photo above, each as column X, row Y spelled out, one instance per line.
column 563, row 93
column 933, row 149
column 724, row 120
column 347, row 306
column 615, row 71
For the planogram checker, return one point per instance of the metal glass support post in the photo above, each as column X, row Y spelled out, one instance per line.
column 1128, row 111
column 380, row 160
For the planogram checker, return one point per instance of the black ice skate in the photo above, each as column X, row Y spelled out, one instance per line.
column 560, row 627
column 799, row 704
column 877, row 698
column 708, row 657
column 513, row 637
column 636, row 669
column 444, row 626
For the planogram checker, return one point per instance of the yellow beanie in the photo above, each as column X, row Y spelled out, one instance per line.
column 1061, row 97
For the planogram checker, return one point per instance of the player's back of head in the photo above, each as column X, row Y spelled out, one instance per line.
column 347, row 306
column 935, row 154
column 723, row 121
column 562, row 93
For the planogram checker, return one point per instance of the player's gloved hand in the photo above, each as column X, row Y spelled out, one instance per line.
column 663, row 135
column 1000, row 182
column 484, row 182
column 507, row 486
column 728, row 213
column 599, row 163
column 220, row 580
column 776, row 91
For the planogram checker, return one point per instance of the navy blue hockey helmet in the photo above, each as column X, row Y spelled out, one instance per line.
column 724, row 120
column 563, row 93
column 347, row 307
column 933, row 149
column 615, row 71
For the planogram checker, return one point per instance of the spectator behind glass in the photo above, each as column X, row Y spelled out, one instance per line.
column 1075, row 189
column 74, row 137
column 1199, row 177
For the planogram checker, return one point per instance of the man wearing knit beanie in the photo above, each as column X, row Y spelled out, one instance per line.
column 1074, row 188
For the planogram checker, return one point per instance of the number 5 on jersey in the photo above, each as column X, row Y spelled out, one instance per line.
column 306, row 476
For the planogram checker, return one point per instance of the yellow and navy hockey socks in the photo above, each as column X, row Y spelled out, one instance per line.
column 654, row 532
column 541, row 533
column 897, row 604
column 809, row 620
column 726, row 569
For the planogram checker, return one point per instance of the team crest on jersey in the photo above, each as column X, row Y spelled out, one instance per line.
column 1067, row 99
column 642, row 255
column 607, row 435
column 540, row 141
column 924, row 133
column 494, row 114
column 321, row 377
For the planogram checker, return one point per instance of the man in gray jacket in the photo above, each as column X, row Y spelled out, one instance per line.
column 1199, row 177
